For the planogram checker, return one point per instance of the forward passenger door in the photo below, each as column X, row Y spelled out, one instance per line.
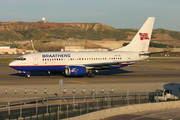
column 35, row 60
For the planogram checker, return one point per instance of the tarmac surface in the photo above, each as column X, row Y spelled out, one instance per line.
column 145, row 76
column 142, row 72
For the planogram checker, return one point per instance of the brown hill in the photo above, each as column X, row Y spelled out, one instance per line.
column 94, row 31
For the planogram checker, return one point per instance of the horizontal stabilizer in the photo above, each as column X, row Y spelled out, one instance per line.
column 149, row 53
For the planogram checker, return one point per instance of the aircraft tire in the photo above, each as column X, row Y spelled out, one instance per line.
column 91, row 74
column 28, row 75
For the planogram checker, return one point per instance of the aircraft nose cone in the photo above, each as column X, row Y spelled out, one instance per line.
column 11, row 63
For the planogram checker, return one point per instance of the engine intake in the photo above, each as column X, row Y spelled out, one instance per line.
column 75, row 71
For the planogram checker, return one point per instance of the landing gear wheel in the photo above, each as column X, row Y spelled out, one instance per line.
column 91, row 74
column 28, row 75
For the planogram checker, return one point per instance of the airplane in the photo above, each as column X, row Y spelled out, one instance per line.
column 87, row 63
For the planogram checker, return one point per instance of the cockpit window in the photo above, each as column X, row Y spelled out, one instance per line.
column 21, row 58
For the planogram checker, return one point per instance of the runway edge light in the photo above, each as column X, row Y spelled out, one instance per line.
column 65, row 90
column 102, row 90
column 74, row 90
column 5, row 90
column 35, row 91
column 83, row 90
column 25, row 90
column 45, row 91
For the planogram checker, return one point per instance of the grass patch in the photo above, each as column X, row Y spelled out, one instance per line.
column 175, row 69
column 7, row 60
column 140, row 63
column 159, row 59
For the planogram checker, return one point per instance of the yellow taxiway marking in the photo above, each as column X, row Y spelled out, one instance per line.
column 79, row 82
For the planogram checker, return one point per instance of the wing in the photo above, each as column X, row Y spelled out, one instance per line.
column 103, row 66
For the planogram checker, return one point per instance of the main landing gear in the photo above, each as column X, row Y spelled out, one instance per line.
column 91, row 74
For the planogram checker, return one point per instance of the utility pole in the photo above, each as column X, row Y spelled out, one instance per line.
column 9, row 42
column 86, row 42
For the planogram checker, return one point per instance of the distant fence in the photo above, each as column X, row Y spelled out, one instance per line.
column 69, row 106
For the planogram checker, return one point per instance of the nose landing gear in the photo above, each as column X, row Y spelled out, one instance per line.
column 28, row 75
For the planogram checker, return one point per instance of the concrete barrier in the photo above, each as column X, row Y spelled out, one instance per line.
column 126, row 110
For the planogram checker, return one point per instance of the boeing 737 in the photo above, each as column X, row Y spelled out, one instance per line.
column 87, row 63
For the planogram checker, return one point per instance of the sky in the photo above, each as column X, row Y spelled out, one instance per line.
column 115, row 13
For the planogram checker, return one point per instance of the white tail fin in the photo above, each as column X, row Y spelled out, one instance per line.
column 141, row 40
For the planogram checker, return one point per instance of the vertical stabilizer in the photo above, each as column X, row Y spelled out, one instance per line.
column 141, row 40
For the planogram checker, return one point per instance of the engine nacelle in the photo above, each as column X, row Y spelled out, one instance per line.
column 75, row 71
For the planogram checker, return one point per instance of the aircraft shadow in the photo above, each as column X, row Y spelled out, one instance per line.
column 37, row 74
column 103, row 72
column 113, row 72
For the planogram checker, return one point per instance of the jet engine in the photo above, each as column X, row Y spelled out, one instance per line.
column 75, row 71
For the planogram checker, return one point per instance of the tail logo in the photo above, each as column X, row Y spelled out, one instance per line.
column 144, row 36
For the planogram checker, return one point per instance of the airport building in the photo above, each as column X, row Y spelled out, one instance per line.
column 8, row 50
column 81, row 48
